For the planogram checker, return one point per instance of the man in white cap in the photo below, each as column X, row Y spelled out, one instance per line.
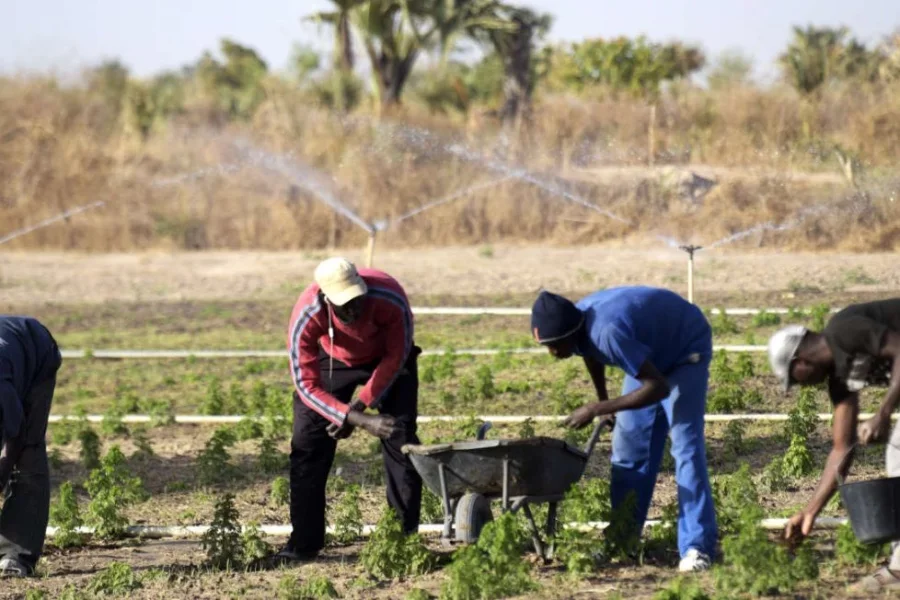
column 859, row 347
column 348, row 329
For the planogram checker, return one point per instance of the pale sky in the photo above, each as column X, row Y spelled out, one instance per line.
column 154, row 35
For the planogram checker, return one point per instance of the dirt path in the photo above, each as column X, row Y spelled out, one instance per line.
column 499, row 271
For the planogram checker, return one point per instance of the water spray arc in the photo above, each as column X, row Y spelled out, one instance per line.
column 63, row 216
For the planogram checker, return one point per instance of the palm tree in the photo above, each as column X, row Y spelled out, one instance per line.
column 812, row 56
column 396, row 32
column 343, row 40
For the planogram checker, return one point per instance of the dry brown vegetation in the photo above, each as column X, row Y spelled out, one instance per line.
column 59, row 148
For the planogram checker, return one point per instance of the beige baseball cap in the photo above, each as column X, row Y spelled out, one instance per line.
column 339, row 280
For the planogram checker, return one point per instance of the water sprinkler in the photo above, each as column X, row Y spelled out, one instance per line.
column 690, row 249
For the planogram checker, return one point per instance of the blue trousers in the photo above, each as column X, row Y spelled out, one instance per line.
column 638, row 442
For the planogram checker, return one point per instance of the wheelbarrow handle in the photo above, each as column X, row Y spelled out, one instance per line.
column 609, row 423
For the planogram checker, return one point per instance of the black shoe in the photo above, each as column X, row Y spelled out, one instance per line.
column 288, row 555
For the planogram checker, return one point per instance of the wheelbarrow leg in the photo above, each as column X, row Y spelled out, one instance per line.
column 505, row 501
column 445, row 503
column 535, row 534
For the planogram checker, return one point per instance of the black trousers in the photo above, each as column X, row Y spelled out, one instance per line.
column 312, row 451
column 23, row 520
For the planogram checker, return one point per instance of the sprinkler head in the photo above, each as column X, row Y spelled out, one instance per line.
column 690, row 249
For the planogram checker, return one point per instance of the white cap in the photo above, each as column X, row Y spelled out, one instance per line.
column 340, row 281
column 783, row 347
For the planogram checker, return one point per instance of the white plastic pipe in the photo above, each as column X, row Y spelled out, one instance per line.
column 499, row 419
column 503, row 311
column 192, row 531
column 150, row 354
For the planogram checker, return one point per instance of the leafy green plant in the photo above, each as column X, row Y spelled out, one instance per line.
column 66, row 516
column 144, row 448
column 117, row 579
column 214, row 401
column 281, row 491
column 850, row 551
column 526, row 428
column 773, row 477
column 161, row 412
column 765, row 319
column 753, row 565
column 795, row 314
column 803, row 418
column 468, row 428
column 484, row 382
column 90, row 448
column 237, row 399
column 797, row 461
column 222, row 541
column 55, row 458
column 744, row 366
column 682, row 589
column 467, row 390
column 271, row 460
column 723, row 324
column 347, row 517
column 432, row 511
column 418, row 594
column 731, row 493
column 818, row 314
column 391, row 554
column 35, row 594
column 491, row 568
column 68, row 429
column 576, row 550
column 112, row 424
column 248, row 428
column 733, row 443
column 720, row 370
column 112, row 489
column 726, row 398
column 253, row 545
column 315, row 588
column 212, row 464
column 665, row 534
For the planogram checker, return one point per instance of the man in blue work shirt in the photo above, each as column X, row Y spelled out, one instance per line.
column 664, row 345
column 29, row 360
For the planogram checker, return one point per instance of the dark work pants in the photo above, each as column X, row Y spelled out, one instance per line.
column 312, row 452
column 23, row 522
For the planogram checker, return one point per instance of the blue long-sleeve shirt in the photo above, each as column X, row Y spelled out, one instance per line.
column 24, row 346
column 626, row 326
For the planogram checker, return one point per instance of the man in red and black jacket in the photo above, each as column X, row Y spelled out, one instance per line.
column 348, row 329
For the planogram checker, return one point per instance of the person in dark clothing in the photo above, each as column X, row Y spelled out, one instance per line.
column 350, row 329
column 859, row 347
column 29, row 360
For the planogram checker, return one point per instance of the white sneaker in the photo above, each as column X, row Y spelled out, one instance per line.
column 10, row 567
column 694, row 560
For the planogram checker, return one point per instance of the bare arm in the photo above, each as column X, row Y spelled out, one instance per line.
column 846, row 413
column 597, row 371
column 654, row 388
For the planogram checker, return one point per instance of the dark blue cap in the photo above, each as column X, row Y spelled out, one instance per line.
column 554, row 318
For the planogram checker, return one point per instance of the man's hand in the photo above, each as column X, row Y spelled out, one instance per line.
column 874, row 430
column 381, row 426
column 582, row 417
column 799, row 526
column 340, row 432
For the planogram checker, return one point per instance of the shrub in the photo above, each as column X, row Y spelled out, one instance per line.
column 281, row 491
column 391, row 554
column 214, row 401
column 222, row 541
column 253, row 545
column 347, row 517
column 484, row 382
column 819, row 313
column 90, row 448
column 112, row 489
column 271, row 460
column 766, row 319
column 493, row 567
column 526, row 429
column 315, row 588
column 850, row 551
column 726, row 398
column 212, row 464
column 733, row 444
column 117, row 579
column 66, row 516
column 682, row 589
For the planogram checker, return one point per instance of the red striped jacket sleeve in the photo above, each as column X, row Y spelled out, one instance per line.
column 305, row 370
column 398, row 324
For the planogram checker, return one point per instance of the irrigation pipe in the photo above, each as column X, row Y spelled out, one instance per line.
column 498, row 419
column 185, row 354
column 503, row 311
column 193, row 531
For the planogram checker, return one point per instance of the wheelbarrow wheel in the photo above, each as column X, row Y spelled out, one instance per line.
column 473, row 512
